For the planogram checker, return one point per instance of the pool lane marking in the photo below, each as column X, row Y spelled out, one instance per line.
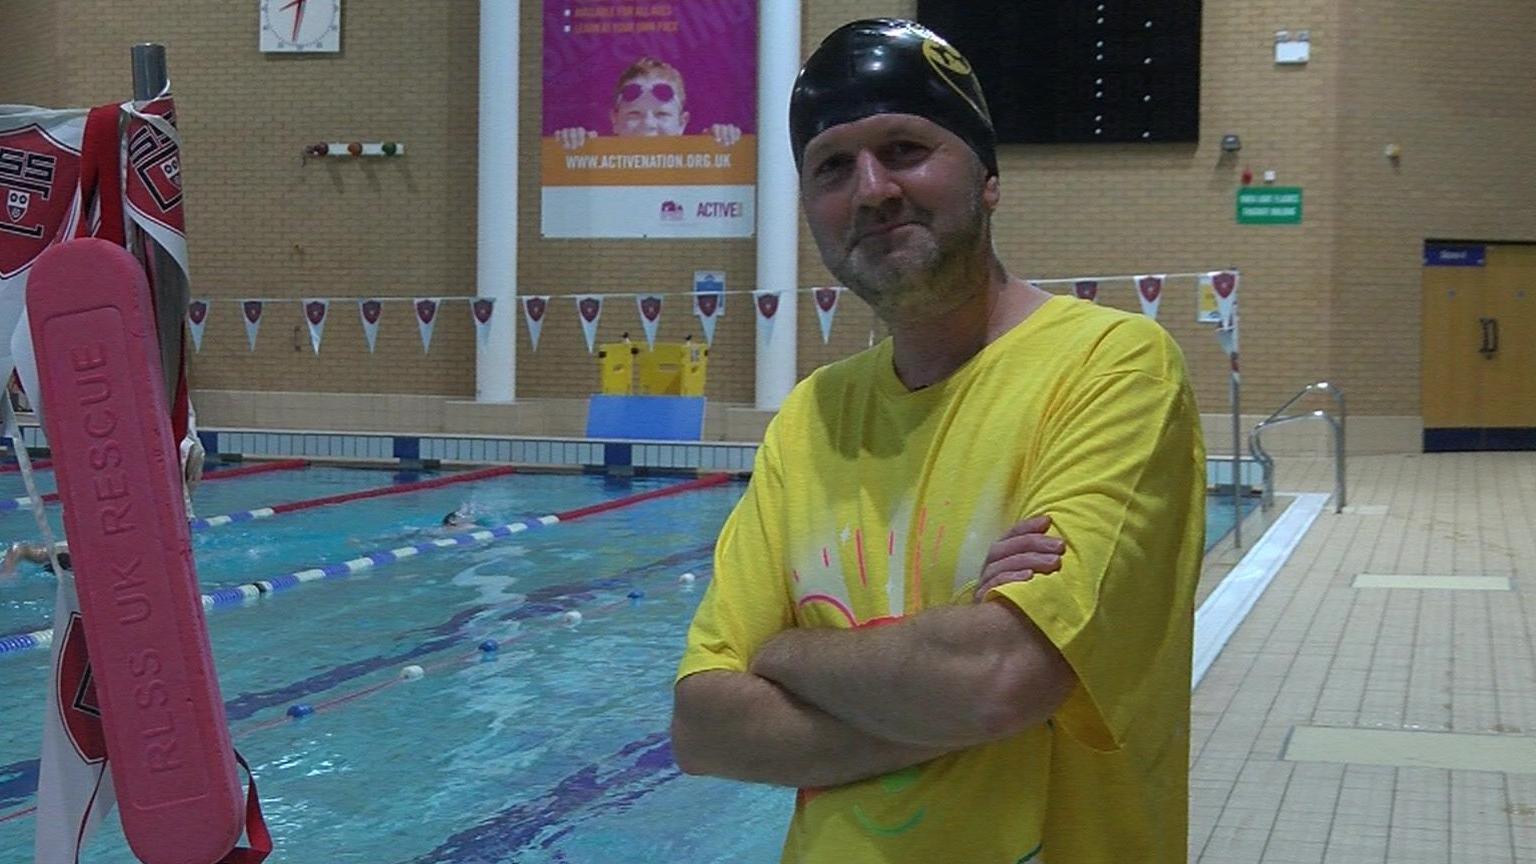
column 344, row 497
column 7, row 504
column 241, row 594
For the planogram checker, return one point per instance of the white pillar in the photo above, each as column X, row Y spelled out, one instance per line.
column 496, row 231
column 778, row 219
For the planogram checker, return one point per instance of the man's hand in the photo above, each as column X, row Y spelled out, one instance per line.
column 1022, row 552
column 725, row 134
column 573, row 137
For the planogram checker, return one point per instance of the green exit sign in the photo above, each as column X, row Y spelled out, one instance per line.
column 1269, row 205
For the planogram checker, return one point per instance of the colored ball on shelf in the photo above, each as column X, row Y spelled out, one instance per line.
column 571, row 618
column 355, row 149
column 389, row 148
column 636, row 595
column 300, row 709
column 489, row 646
column 687, row 578
column 412, row 673
column 320, row 149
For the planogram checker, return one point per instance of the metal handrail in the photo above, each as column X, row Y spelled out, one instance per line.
column 1279, row 418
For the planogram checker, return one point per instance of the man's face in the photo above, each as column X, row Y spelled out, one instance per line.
column 896, row 203
column 649, row 105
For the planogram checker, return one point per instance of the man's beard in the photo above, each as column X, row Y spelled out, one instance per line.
column 922, row 276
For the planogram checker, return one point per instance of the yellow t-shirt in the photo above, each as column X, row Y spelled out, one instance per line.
column 870, row 501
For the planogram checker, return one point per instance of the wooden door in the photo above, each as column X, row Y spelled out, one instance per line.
column 1479, row 347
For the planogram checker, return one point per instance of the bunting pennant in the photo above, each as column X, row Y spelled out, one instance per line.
column 650, row 316
column 708, row 308
column 314, row 313
column 482, row 308
column 1224, row 283
column 370, row 311
column 1150, row 290
column 1086, row 289
column 426, row 316
column 826, row 307
column 533, row 312
column 197, row 316
column 590, row 308
column 252, row 310
column 767, row 303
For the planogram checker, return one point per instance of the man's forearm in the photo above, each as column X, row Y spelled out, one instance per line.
column 950, row 678
column 744, row 727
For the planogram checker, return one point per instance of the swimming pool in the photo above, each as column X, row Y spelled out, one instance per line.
column 553, row 749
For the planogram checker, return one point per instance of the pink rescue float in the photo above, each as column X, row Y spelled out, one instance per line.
column 172, row 762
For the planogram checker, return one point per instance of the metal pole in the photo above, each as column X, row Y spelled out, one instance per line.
column 170, row 289
column 1237, row 458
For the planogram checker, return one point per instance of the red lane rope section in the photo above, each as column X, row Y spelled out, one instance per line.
column 248, row 470
column 37, row 465
column 701, row 483
column 400, row 489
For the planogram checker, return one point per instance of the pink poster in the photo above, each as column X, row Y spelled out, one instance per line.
column 650, row 118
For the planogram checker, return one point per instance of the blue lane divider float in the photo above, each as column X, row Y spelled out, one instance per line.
column 203, row 524
column 8, row 504
column 238, row 594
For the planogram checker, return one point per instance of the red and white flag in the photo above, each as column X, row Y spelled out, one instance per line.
column 590, row 308
column 370, row 311
column 1086, row 289
column 314, row 314
column 251, row 310
column 481, row 309
column 426, row 316
column 1224, row 283
column 767, row 303
column 650, row 316
column 74, row 787
column 40, row 180
column 826, row 308
column 197, row 317
column 1150, row 290
column 533, row 312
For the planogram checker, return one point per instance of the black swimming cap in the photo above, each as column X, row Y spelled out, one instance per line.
column 889, row 66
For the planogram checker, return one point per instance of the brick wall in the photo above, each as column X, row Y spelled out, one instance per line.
column 29, row 59
column 1333, row 298
column 1454, row 85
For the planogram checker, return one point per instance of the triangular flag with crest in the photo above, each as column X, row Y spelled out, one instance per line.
column 1150, row 290
column 1086, row 289
column 251, row 312
column 369, row 312
column 314, row 313
column 767, row 303
column 482, row 308
column 826, row 307
column 650, row 316
column 533, row 312
column 1224, row 282
column 590, row 308
column 708, row 307
column 197, row 317
column 426, row 316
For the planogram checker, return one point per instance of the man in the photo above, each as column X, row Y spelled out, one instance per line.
column 648, row 101
column 1028, row 698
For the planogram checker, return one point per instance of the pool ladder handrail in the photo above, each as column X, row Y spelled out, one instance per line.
column 1280, row 418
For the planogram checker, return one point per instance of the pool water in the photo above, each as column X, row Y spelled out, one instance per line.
column 552, row 749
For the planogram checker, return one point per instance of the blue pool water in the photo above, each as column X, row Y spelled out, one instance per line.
column 553, row 751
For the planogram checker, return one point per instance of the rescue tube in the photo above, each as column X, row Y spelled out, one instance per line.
column 105, row 412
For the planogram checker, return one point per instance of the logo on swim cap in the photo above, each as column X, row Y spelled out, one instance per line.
column 941, row 53
column 946, row 61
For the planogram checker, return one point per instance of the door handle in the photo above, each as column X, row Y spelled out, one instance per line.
column 1490, row 337
column 1493, row 327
